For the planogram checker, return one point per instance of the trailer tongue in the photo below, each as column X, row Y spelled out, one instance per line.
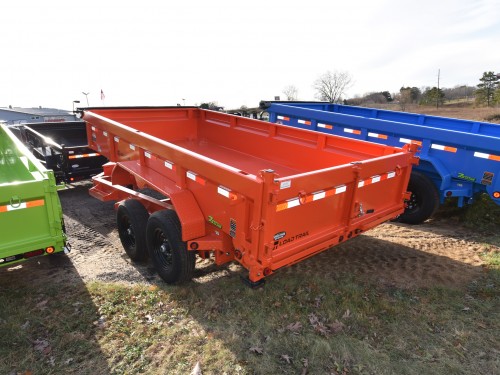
column 244, row 190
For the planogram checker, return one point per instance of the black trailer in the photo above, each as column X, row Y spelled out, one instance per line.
column 62, row 147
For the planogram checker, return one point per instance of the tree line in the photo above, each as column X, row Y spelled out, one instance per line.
column 331, row 87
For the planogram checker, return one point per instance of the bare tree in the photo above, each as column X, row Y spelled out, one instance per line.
column 290, row 92
column 330, row 86
column 404, row 97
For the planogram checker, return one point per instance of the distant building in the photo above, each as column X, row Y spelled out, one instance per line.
column 16, row 115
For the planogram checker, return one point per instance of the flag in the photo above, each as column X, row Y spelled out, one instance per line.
column 102, row 95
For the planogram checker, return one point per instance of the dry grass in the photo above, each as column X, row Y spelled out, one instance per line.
column 455, row 110
column 469, row 113
column 338, row 325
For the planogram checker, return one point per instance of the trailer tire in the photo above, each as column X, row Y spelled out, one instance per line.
column 424, row 199
column 132, row 218
column 169, row 254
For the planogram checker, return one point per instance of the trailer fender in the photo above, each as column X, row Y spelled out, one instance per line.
column 434, row 166
column 189, row 213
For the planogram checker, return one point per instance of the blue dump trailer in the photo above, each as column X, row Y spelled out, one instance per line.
column 458, row 158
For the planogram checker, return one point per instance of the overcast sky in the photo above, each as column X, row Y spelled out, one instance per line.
column 236, row 52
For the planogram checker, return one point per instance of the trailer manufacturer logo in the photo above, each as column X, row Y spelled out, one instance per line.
column 278, row 236
column 278, row 243
column 487, row 178
column 464, row 177
column 211, row 220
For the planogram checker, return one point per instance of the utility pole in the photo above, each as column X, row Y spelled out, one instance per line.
column 437, row 95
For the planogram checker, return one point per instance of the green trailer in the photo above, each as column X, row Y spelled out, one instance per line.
column 31, row 219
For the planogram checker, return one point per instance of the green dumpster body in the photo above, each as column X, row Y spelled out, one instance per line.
column 31, row 220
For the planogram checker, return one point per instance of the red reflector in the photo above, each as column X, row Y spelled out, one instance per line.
column 449, row 193
column 33, row 253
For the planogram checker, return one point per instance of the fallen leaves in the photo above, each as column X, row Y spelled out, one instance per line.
column 323, row 328
column 286, row 358
column 42, row 346
column 347, row 314
column 41, row 305
column 294, row 327
column 256, row 350
column 100, row 323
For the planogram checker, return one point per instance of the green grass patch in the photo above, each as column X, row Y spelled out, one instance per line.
column 337, row 325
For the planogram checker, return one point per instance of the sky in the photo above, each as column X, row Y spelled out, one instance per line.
column 236, row 53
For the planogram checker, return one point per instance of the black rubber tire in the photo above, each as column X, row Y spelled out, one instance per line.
column 131, row 219
column 424, row 199
column 169, row 254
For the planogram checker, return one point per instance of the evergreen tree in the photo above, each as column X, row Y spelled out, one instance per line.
column 486, row 89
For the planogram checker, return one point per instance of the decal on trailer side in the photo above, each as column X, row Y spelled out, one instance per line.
column 278, row 243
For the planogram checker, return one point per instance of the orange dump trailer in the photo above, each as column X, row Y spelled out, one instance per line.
column 190, row 181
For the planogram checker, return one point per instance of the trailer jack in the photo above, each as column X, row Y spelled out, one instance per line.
column 253, row 284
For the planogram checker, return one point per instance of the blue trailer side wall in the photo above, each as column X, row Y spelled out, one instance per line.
column 462, row 157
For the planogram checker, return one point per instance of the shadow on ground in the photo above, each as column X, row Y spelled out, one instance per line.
column 48, row 321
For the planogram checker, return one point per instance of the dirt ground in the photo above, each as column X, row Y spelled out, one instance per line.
column 439, row 252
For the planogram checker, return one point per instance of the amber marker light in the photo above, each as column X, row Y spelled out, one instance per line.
column 50, row 250
column 496, row 194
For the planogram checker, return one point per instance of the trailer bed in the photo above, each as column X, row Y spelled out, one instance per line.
column 62, row 147
column 458, row 158
column 262, row 194
column 31, row 220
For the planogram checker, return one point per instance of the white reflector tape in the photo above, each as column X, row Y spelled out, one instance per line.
column 147, row 154
column 169, row 165
column 316, row 196
column 226, row 192
column 375, row 179
column 410, row 141
column 304, row 122
column 319, row 195
column 83, row 156
column 93, row 128
column 117, row 139
column 486, row 156
column 376, row 135
column 193, row 176
column 105, row 134
column 132, row 147
column 324, row 126
column 20, row 206
column 340, row 189
column 443, row 148
column 352, row 131
column 284, row 118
